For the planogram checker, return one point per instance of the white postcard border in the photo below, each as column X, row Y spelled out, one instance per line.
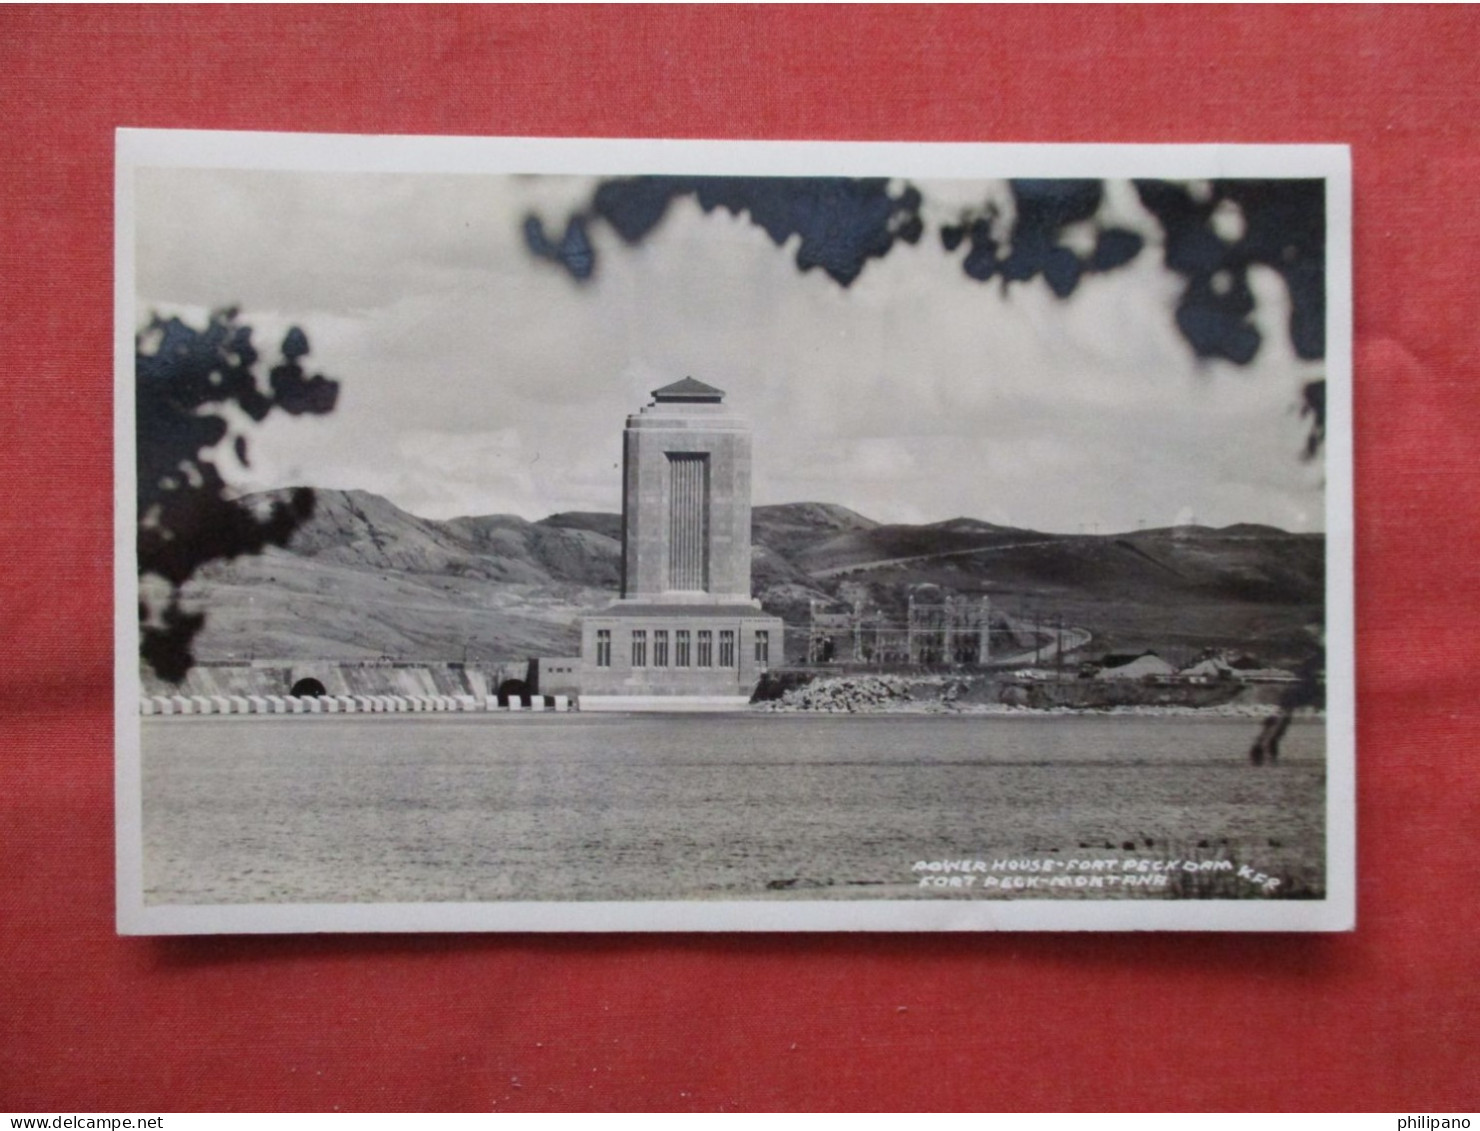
column 322, row 152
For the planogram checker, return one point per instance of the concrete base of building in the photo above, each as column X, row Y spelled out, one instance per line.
column 685, row 704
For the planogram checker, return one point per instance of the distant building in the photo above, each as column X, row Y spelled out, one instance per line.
column 685, row 633
column 1245, row 668
column 1266, row 675
column 1209, row 670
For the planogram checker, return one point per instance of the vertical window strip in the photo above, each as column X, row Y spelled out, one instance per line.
column 688, row 521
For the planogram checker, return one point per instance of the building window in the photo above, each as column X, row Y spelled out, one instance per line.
column 660, row 648
column 763, row 647
column 681, row 648
column 727, row 648
column 603, row 647
column 706, row 649
column 639, row 647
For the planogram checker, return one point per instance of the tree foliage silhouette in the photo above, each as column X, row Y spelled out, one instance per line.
column 842, row 222
column 185, row 379
column 1214, row 233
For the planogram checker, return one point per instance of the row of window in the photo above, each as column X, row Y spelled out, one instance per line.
column 700, row 656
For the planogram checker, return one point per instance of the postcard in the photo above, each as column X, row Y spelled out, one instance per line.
column 597, row 535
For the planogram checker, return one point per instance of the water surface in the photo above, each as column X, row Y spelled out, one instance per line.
column 573, row 807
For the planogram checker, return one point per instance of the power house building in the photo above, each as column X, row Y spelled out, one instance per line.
column 685, row 633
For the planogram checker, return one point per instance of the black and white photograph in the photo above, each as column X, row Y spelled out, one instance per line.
column 535, row 534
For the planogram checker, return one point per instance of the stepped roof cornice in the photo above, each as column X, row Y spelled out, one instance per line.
column 688, row 391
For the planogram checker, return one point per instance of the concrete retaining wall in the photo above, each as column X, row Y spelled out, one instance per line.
column 343, row 704
column 369, row 678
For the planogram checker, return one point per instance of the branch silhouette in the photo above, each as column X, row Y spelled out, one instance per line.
column 1214, row 232
column 184, row 379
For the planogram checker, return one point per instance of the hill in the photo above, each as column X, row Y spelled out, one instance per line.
column 363, row 578
column 792, row 527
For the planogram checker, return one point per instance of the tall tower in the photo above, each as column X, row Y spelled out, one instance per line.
column 686, row 499
column 685, row 633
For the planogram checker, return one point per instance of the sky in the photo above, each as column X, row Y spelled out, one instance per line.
column 477, row 379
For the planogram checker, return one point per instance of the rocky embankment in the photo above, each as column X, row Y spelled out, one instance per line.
column 865, row 693
column 947, row 694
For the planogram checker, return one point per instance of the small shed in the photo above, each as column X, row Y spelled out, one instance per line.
column 555, row 675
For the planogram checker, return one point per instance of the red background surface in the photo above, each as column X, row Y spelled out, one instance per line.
column 1385, row 1018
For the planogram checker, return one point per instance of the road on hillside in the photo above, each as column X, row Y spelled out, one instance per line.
column 884, row 563
column 1073, row 638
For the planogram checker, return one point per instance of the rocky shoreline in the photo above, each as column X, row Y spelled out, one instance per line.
column 969, row 695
